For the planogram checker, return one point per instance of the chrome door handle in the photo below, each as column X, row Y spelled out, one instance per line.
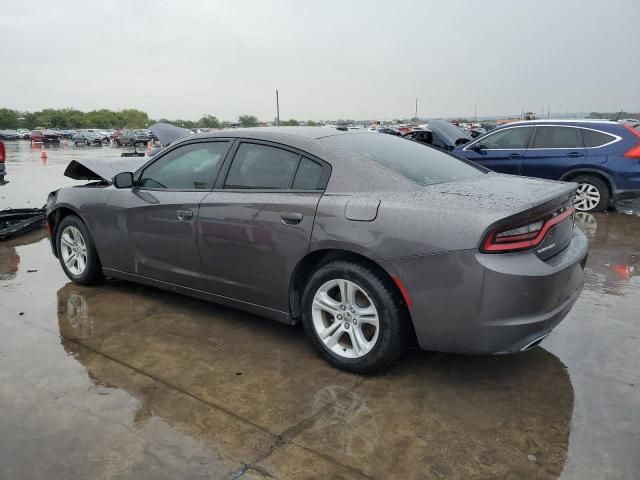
column 291, row 218
column 185, row 215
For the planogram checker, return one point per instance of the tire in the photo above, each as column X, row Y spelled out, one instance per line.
column 381, row 346
column 593, row 194
column 87, row 143
column 74, row 229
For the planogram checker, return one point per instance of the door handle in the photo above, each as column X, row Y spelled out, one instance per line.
column 185, row 215
column 514, row 155
column 291, row 218
column 575, row 154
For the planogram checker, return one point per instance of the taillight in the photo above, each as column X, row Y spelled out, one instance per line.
column 523, row 236
column 3, row 153
column 633, row 152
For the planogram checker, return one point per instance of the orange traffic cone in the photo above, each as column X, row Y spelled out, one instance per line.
column 43, row 154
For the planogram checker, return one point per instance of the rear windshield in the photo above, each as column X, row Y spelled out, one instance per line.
column 419, row 163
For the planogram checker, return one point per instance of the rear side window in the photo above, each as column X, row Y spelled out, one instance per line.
column 262, row 167
column 417, row 162
column 508, row 139
column 308, row 176
column 595, row 138
column 557, row 137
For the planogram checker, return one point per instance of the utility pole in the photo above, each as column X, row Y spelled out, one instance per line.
column 542, row 113
column 475, row 113
column 548, row 111
column 277, row 109
column 416, row 117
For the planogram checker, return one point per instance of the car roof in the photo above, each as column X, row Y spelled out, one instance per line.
column 345, row 165
column 561, row 122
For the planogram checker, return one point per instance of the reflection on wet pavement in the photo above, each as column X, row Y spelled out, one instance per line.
column 124, row 381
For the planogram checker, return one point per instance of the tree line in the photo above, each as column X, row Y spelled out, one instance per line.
column 69, row 118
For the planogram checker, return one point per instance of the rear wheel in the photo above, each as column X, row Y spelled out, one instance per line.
column 354, row 317
column 76, row 251
column 592, row 194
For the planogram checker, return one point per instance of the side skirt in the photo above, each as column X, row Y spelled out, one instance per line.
column 271, row 313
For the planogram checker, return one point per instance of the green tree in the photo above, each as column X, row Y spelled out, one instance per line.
column 290, row 123
column 311, row 123
column 9, row 118
column 133, row 118
column 209, row 121
column 248, row 121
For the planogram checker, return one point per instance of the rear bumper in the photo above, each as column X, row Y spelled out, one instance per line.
column 474, row 303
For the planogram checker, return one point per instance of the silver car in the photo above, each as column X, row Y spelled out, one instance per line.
column 370, row 241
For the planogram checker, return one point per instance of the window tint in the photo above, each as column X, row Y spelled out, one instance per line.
column 261, row 166
column 593, row 138
column 308, row 176
column 417, row 162
column 517, row 137
column 557, row 137
column 188, row 167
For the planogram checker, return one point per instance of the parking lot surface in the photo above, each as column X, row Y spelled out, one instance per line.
column 125, row 381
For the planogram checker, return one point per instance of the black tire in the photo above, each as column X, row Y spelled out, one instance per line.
column 87, row 143
column 394, row 327
column 600, row 185
column 92, row 273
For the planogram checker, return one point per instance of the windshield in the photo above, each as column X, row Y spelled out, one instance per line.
column 419, row 163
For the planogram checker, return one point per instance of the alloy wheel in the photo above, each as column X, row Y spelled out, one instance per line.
column 587, row 197
column 345, row 318
column 73, row 249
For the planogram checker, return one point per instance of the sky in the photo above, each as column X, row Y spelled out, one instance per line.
column 328, row 59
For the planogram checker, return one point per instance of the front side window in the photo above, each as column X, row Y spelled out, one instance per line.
column 262, row 167
column 557, row 137
column 189, row 167
column 508, row 139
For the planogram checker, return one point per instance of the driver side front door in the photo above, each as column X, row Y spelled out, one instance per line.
column 157, row 218
column 501, row 151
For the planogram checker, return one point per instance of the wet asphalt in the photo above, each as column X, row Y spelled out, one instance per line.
column 124, row 381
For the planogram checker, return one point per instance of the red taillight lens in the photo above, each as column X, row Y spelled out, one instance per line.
column 514, row 238
column 3, row 153
column 633, row 152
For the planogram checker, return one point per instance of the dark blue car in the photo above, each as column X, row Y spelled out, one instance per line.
column 603, row 157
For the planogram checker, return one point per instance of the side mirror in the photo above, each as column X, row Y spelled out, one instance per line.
column 479, row 148
column 123, row 180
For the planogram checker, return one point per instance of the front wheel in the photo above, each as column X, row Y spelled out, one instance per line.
column 76, row 252
column 592, row 194
column 354, row 317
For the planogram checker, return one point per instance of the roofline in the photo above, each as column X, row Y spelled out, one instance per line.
column 551, row 120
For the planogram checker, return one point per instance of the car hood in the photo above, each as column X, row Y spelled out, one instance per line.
column 167, row 133
column 96, row 169
column 449, row 133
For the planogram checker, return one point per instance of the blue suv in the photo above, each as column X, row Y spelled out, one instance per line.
column 602, row 157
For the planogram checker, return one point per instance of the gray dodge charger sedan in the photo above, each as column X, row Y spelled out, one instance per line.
column 369, row 240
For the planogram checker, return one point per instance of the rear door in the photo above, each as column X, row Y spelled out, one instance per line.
column 157, row 218
column 501, row 151
column 554, row 150
column 256, row 225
